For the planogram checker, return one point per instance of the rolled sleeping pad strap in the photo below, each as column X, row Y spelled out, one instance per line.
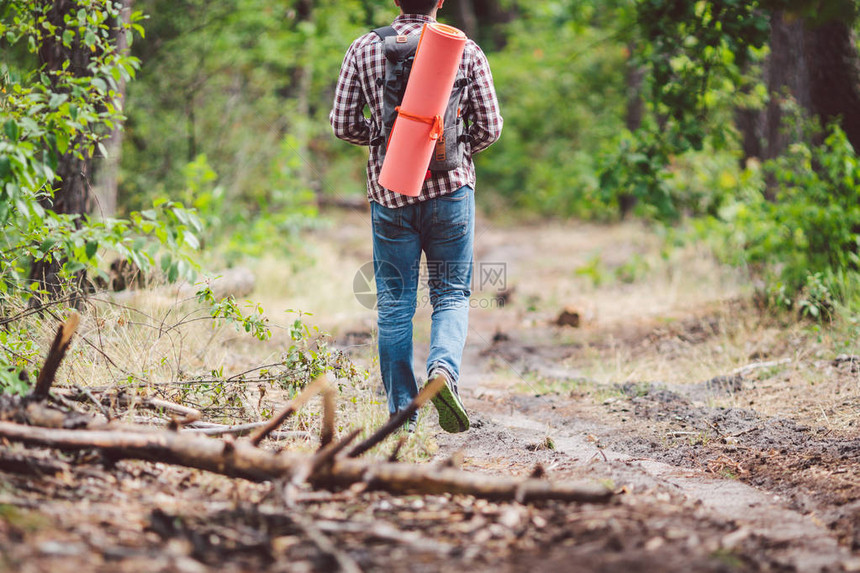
column 431, row 80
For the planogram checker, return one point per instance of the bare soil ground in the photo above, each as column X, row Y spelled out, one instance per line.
column 729, row 437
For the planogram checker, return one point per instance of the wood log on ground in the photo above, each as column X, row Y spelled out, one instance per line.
column 211, row 429
column 20, row 463
column 242, row 459
column 123, row 399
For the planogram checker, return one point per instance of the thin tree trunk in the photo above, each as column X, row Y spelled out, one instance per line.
column 105, row 190
column 787, row 78
column 634, row 75
column 71, row 189
column 834, row 71
column 463, row 15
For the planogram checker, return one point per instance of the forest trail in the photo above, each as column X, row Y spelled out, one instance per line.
column 729, row 439
column 671, row 386
column 774, row 482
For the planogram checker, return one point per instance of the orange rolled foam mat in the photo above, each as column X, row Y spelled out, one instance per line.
column 419, row 119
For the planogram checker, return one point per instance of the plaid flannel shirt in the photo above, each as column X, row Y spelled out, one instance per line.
column 356, row 87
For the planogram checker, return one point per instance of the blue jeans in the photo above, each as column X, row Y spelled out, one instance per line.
column 443, row 228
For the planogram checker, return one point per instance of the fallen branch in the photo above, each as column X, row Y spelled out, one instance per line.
column 28, row 465
column 397, row 420
column 744, row 370
column 211, row 429
column 55, row 356
column 405, row 478
column 273, row 424
column 242, row 459
column 326, row 455
column 87, row 393
column 328, row 418
column 188, row 414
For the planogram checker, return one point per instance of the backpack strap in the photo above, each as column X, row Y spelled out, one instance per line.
column 385, row 32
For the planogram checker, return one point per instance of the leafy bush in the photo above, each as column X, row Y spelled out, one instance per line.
column 560, row 84
column 806, row 242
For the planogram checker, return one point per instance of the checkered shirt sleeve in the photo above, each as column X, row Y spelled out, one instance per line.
column 357, row 87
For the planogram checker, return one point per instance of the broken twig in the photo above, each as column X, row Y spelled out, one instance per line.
column 55, row 356
column 275, row 422
column 327, row 432
column 397, row 420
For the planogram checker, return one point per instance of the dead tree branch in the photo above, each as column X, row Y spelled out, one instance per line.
column 309, row 392
column 328, row 418
column 242, row 459
column 55, row 356
column 397, row 420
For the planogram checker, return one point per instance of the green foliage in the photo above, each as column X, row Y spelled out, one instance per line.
column 560, row 83
column 227, row 309
column 805, row 242
column 311, row 355
column 17, row 352
column 691, row 49
column 47, row 114
column 695, row 57
column 248, row 85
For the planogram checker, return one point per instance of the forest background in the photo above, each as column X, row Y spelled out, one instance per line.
column 182, row 135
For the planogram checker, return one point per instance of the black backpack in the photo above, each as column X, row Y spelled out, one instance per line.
column 399, row 55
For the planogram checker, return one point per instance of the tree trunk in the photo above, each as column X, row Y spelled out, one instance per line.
column 787, row 78
column 105, row 190
column 815, row 66
column 633, row 77
column 834, row 71
column 464, row 17
column 480, row 20
column 766, row 133
column 71, row 189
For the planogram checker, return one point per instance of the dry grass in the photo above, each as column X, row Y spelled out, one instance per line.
column 649, row 314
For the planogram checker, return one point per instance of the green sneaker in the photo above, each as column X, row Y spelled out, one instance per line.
column 452, row 413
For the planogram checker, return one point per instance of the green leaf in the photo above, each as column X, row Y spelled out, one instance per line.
column 92, row 248
column 181, row 214
column 11, row 129
column 56, row 100
column 62, row 141
column 73, row 266
column 5, row 167
column 100, row 85
column 47, row 244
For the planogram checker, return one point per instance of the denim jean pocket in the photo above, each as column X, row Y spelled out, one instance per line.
column 458, row 195
column 453, row 214
column 387, row 222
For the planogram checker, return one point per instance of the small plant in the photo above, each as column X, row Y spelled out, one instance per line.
column 594, row 270
column 815, row 300
column 632, row 270
column 227, row 309
column 804, row 244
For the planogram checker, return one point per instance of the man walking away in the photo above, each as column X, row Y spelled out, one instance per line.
column 439, row 222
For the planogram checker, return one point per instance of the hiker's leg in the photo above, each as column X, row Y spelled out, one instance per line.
column 447, row 238
column 396, row 256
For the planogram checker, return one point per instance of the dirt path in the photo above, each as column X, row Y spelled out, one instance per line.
column 781, row 487
column 729, row 438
